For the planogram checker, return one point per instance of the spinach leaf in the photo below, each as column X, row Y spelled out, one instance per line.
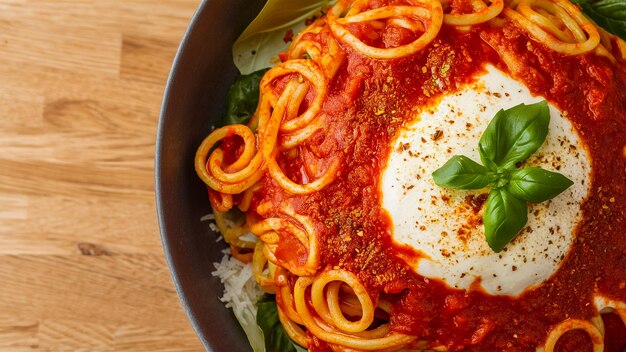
column 276, row 338
column 243, row 98
column 609, row 14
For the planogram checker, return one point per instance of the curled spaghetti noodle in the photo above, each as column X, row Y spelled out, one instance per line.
column 481, row 13
column 282, row 116
column 303, row 70
column 611, row 46
column 556, row 23
column 263, row 269
column 221, row 202
column 246, row 198
column 294, row 331
column 301, row 136
column 317, row 43
column 240, row 175
column 326, row 321
column 290, row 230
column 605, row 305
column 594, row 332
column 414, row 15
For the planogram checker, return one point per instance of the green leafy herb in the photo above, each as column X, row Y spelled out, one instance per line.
column 259, row 44
column 609, row 14
column 461, row 172
column 243, row 98
column 276, row 338
column 510, row 138
column 514, row 134
column 537, row 185
column 504, row 217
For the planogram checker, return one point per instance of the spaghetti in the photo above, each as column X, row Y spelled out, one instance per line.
column 543, row 19
column 305, row 175
column 417, row 16
column 480, row 12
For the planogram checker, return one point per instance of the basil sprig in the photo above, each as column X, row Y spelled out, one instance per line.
column 512, row 136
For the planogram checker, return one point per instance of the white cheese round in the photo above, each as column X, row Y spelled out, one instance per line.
column 445, row 226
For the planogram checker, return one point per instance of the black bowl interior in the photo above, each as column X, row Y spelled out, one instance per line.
column 194, row 100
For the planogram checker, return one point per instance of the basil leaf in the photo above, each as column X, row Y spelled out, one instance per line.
column 514, row 134
column 489, row 164
column 261, row 42
column 537, row 185
column 243, row 98
column 276, row 338
column 461, row 172
column 503, row 218
column 608, row 14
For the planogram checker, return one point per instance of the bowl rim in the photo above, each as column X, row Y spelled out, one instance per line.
column 158, row 185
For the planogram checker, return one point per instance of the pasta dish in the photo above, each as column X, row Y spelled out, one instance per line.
column 332, row 193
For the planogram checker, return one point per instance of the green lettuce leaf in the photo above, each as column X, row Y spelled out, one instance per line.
column 261, row 42
column 276, row 338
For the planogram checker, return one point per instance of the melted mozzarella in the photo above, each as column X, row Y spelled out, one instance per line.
column 445, row 226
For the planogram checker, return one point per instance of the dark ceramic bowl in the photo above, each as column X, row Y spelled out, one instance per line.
column 194, row 100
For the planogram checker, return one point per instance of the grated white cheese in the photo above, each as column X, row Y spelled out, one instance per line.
column 241, row 293
column 249, row 237
column 212, row 226
column 208, row 217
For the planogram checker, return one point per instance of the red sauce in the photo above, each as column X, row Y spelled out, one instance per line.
column 615, row 337
column 369, row 102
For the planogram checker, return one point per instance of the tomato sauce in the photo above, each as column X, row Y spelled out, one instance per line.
column 370, row 100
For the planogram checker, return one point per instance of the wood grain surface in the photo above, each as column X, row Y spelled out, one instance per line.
column 81, row 264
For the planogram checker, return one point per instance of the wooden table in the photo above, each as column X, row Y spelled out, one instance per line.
column 81, row 264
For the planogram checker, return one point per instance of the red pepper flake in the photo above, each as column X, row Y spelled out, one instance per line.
column 437, row 135
column 476, row 202
column 309, row 21
column 288, row 36
column 404, row 146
